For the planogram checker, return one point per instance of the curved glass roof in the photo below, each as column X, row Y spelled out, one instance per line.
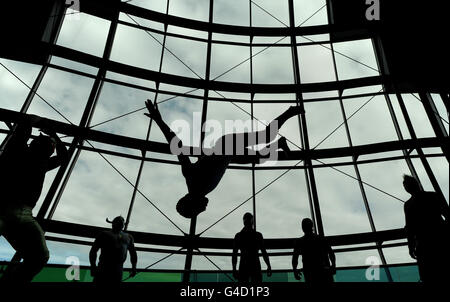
column 237, row 61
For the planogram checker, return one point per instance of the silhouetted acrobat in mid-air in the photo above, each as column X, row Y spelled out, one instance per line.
column 22, row 173
column 114, row 246
column 249, row 242
column 319, row 261
column 203, row 176
column 427, row 228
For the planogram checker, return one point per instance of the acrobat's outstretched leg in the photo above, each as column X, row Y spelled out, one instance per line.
column 235, row 143
column 271, row 130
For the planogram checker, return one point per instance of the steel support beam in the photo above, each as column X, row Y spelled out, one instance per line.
column 143, row 159
column 419, row 150
column 158, row 147
column 311, row 182
column 88, row 231
column 52, row 31
column 436, row 122
column 84, row 123
column 357, row 172
column 193, row 224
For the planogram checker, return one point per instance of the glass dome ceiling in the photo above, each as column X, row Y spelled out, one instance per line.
column 214, row 62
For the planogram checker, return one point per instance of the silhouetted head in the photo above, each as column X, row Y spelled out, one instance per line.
column 248, row 219
column 42, row 146
column 189, row 206
column 411, row 184
column 307, row 226
column 118, row 224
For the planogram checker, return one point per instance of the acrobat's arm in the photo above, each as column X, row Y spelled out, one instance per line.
column 170, row 136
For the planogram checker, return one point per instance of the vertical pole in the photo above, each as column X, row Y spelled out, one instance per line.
column 207, row 74
column 381, row 60
column 446, row 100
column 74, row 152
column 435, row 121
column 189, row 250
column 141, row 166
column 400, row 137
column 382, row 65
column 188, row 262
column 303, row 127
column 357, row 172
column 54, row 25
column 420, row 152
column 252, row 96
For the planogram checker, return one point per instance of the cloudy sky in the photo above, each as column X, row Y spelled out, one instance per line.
column 95, row 191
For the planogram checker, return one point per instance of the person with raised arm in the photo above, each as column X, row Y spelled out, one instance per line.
column 203, row 176
column 23, row 168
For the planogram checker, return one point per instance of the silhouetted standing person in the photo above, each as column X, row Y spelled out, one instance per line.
column 203, row 176
column 427, row 231
column 114, row 246
column 319, row 261
column 23, row 170
column 249, row 242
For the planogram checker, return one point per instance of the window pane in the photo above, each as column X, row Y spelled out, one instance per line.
column 156, row 5
column 387, row 211
column 341, row 203
column 316, row 64
column 282, row 205
column 395, row 255
column 115, row 101
column 233, row 190
column 233, row 12
column 86, row 33
column 355, row 59
column 230, row 63
column 191, row 9
column 267, row 13
column 67, row 93
column 96, row 188
column 265, row 113
column 137, row 47
column 440, row 169
column 272, row 65
column 183, row 115
column 309, row 13
column 185, row 63
column 163, row 185
column 365, row 115
column 13, row 91
column 418, row 116
column 325, row 125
